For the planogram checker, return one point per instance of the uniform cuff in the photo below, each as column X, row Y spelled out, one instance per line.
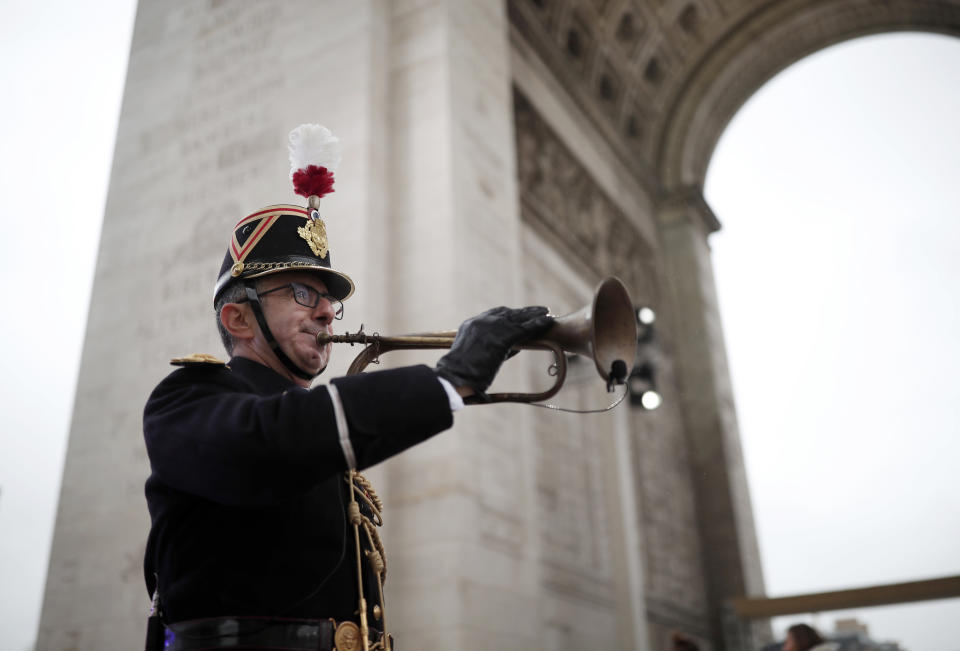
column 456, row 402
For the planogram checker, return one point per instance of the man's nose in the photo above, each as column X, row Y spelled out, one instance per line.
column 323, row 312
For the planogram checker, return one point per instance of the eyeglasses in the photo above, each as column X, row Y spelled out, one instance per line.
column 309, row 297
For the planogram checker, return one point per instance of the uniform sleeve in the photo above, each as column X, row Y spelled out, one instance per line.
column 208, row 435
column 380, row 402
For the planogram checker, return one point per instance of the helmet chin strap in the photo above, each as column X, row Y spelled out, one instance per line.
column 271, row 341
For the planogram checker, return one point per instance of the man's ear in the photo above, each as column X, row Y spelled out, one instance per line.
column 238, row 321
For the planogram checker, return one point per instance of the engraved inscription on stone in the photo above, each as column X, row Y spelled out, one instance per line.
column 573, row 510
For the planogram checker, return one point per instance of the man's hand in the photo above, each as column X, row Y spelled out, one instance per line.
column 484, row 342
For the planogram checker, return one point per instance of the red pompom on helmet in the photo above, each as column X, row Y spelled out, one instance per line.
column 314, row 156
column 312, row 181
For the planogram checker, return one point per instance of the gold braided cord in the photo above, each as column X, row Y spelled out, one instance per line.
column 354, row 516
column 355, row 520
column 376, row 556
column 379, row 561
column 377, row 519
column 368, row 489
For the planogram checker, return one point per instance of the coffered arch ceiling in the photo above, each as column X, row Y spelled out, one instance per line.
column 661, row 79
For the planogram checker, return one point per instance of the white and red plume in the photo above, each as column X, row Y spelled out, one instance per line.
column 314, row 157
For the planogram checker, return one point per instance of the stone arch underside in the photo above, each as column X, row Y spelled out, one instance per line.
column 760, row 46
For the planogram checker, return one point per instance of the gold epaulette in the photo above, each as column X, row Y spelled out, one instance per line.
column 198, row 359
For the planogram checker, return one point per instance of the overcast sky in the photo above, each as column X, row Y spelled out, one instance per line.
column 837, row 270
column 62, row 68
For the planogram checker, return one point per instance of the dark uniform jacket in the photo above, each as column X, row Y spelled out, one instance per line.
column 247, row 494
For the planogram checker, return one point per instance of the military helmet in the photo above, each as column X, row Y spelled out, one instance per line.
column 286, row 237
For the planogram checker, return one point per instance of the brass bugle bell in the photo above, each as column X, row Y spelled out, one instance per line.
column 604, row 330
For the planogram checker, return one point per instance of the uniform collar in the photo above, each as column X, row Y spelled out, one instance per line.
column 264, row 378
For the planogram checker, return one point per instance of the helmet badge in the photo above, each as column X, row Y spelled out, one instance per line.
column 315, row 233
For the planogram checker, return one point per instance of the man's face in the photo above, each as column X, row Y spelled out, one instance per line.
column 295, row 326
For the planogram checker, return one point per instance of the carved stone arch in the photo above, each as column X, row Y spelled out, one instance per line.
column 753, row 48
column 761, row 45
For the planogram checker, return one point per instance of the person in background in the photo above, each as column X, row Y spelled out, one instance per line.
column 801, row 637
column 683, row 643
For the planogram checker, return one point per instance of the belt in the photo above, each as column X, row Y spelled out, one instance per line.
column 262, row 633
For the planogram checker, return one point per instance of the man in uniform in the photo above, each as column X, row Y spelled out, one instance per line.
column 253, row 503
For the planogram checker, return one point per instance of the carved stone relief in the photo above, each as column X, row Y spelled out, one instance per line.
column 564, row 204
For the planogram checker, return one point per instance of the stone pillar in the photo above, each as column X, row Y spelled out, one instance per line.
column 458, row 508
column 729, row 542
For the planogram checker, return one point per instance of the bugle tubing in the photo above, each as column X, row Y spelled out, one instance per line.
column 605, row 330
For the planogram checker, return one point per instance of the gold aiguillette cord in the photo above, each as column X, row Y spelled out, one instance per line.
column 353, row 511
column 357, row 520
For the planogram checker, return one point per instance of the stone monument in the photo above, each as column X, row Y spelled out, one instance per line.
column 495, row 152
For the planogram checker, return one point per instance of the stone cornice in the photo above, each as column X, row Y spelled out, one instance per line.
column 687, row 205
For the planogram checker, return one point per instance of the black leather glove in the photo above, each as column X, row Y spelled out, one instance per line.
column 484, row 342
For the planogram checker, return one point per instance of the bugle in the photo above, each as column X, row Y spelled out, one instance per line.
column 604, row 330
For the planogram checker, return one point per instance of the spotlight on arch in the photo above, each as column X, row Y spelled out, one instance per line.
column 646, row 316
column 642, row 383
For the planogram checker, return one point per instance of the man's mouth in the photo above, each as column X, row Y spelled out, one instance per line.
column 314, row 334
